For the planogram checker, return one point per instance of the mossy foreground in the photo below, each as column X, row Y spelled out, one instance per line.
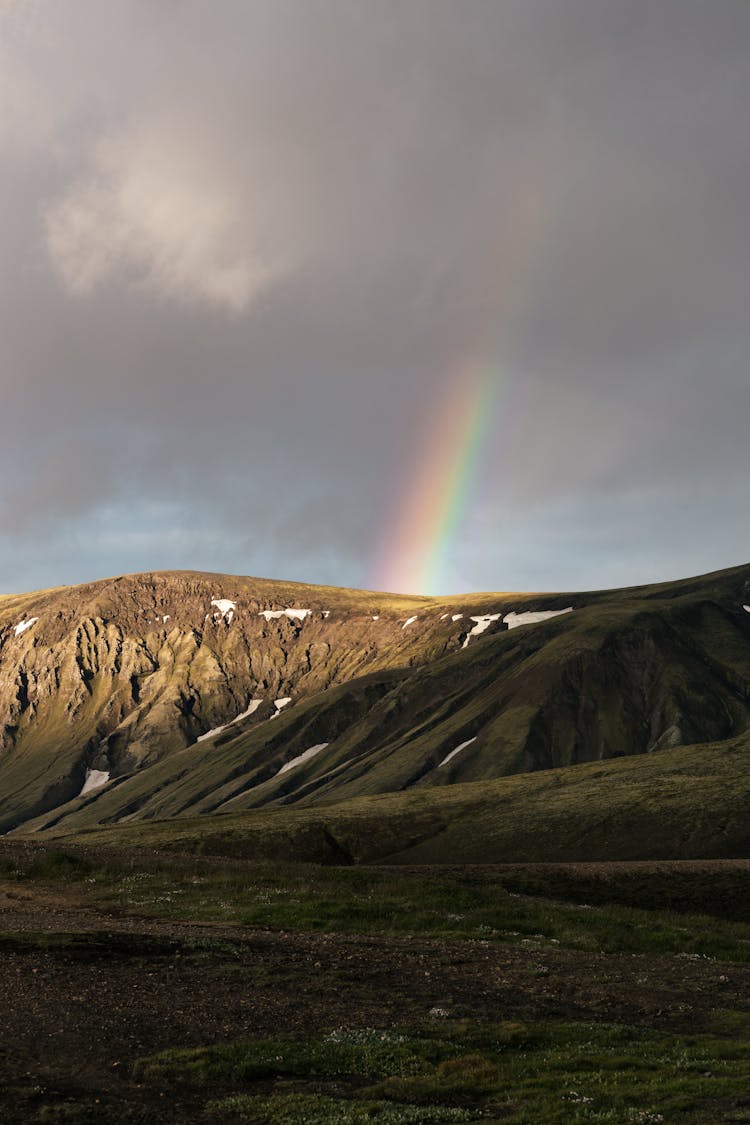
column 696, row 910
column 151, row 987
column 466, row 1071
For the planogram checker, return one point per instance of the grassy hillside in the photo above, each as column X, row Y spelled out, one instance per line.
column 687, row 803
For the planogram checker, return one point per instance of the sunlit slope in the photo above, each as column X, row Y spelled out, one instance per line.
column 626, row 673
column 114, row 676
column 687, row 803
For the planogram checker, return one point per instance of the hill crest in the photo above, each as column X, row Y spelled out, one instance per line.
column 183, row 693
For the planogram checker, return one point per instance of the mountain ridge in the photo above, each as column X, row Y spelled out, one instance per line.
column 184, row 693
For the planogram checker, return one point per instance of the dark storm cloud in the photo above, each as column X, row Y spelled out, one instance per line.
column 244, row 246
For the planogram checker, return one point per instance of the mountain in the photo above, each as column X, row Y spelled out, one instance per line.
column 178, row 694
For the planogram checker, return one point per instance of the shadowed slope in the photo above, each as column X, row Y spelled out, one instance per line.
column 688, row 803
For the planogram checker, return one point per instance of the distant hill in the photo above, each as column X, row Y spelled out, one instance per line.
column 179, row 694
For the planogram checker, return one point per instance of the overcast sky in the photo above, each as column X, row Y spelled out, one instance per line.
column 248, row 248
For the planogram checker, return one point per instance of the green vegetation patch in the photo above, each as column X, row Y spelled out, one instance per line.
column 353, row 1053
column 483, row 905
column 317, row 1109
column 587, row 1072
column 520, row 1073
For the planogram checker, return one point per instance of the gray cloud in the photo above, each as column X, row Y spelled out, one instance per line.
column 245, row 249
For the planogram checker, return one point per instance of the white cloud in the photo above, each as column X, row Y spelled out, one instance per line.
column 151, row 207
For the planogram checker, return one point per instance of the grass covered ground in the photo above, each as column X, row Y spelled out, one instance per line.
column 163, row 987
column 534, row 906
column 464, row 1071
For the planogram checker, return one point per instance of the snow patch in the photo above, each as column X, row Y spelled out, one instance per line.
column 22, row 626
column 279, row 704
column 307, row 754
column 254, row 705
column 458, row 616
column 211, row 733
column 94, row 780
column 224, row 608
column 165, row 619
column 376, row 617
column 299, row 614
column 745, row 607
column 409, row 621
column 513, row 620
column 326, row 613
column 443, row 616
column 250, row 710
column 482, row 622
column 458, row 749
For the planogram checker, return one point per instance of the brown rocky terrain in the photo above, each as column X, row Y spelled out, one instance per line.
column 113, row 675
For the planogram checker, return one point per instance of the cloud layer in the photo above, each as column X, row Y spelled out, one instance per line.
column 245, row 250
column 147, row 213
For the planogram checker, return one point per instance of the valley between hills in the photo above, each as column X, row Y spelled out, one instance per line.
column 295, row 855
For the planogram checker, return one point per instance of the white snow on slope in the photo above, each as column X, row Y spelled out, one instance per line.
column 279, row 704
column 453, row 753
column 326, row 613
column 211, row 733
column 299, row 614
column 376, row 617
column 458, row 616
column 443, row 616
column 303, row 757
column 254, row 705
column 483, row 622
column 513, row 620
column 746, row 608
column 409, row 621
column 22, row 626
column 224, row 608
column 94, row 780
column 249, row 710
column 165, row 619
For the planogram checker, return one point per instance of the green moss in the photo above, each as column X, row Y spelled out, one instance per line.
column 317, row 1109
column 512, row 906
column 345, row 1052
column 553, row 1072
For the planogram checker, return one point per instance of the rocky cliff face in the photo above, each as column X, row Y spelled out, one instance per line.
column 111, row 676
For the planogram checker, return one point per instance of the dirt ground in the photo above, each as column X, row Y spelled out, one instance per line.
column 107, row 989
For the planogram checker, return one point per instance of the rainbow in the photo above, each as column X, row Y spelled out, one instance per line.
column 417, row 551
column 473, row 402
